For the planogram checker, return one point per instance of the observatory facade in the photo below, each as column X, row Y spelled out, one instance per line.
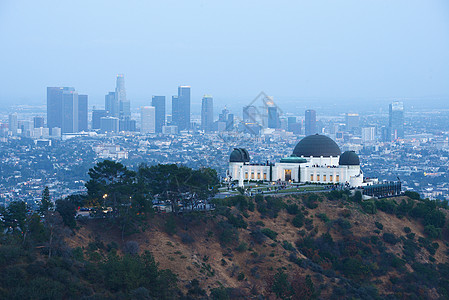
column 315, row 159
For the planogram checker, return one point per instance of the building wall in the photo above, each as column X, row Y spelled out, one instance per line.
column 316, row 170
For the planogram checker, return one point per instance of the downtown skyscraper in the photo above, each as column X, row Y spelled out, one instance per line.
column 63, row 109
column 396, row 120
column 116, row 102
column 310, row 122
column 181, row 108
column 159, row 104
column 120, row 92
column 207, row 113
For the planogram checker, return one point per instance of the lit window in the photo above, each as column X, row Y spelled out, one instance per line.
column 324, row 177
column 311, row 177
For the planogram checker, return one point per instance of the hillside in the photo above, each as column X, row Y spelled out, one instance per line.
column 294, row 246
column 298, row 246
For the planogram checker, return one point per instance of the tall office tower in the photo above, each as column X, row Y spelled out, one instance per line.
column 174, row 111
column 352, row 121
column 69, row 112
column 181, row 108
column 55, row 105
column 13, row 123
column 111, row 104
column 38, row 122
column 273, row 117
column 109, row 124
column 310, row 122
column 159, row 104
column 62, row 109
column 230, row 122
column 120, row 91
column 207, row 113
column 249, row 114
column 97, row 114
column 368, row 134
column 82, row 113
column 396, row 120
column 147, row 119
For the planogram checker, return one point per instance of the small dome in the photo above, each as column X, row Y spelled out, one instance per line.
column 317, row 145
column 349, row 158
column 239, row 155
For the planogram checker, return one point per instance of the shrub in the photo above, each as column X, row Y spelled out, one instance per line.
column 379, row 225
column 390, row 238
column 407, row 229
column 369, row 207
column 241, row 276
column 344, row 224
column 187, row 238
column 357, row 197
column 288, row 246
column 311, row 201
column 298, row 220
column 269, row 233
column 432, row 232
column 170, row 225
column 323, row 217
column 242, row 247
column 388, row 206
column 237, row 221
column 412, row 195
column 131, row 247
column 227, row 233
column 292, row 209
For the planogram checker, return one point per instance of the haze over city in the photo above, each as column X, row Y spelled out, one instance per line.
column 297, row 51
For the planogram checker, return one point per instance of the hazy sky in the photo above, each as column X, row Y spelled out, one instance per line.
column 231, row 49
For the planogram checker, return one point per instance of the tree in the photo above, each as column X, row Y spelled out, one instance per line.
column 46, row 203
column 110, row 184
column 67, row 210
column 15, row 216
column 281, row 286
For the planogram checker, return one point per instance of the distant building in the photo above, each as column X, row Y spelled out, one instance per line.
column 368, row 134
column 97, row 114
column 69, row 111
column 38, row 122
column 293, row 125
column 170, row 129
column 109, row 124
column 207, row 113
column 396, row 120
column 249, row 114
column 127, row 124
column 62, row 109
column 13, row 123
column 158, row 102
column 181, row 108
column 83, row 113
column 230, row 122
column 111, row 104
column 310, row 122
column 352, row 121
column 148, row 119
column 273, row 117
column 120, row 93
